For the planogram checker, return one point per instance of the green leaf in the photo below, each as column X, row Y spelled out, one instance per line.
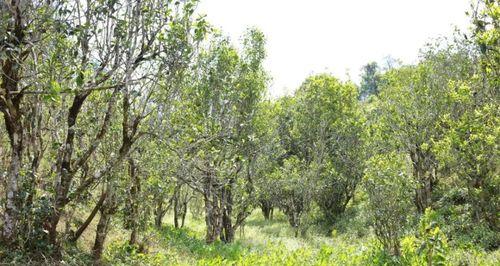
column 79, row 79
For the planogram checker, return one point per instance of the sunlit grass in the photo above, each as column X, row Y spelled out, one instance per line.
column 267, row 242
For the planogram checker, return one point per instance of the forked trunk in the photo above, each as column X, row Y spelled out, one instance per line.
column 267, row 209
column 90, row 218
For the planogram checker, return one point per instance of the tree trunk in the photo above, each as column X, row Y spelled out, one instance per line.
column 133, row 237
column 65, row 173
column 267, row 209
column 35, row 146
column 89, row 219
column 67, row 169
column 425, row 177
column 227, row 235
column 212, row 215
column 10, row 106
column 176, row 209
column 184, row 212
column 159, row 213
column 107, row 209
column 212, row 220
column 133, row 201
column 423, row 194
column 100, row 237
column 13, row 204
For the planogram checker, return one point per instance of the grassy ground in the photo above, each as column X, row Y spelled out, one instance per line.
column 260, row 242
column 264, row 242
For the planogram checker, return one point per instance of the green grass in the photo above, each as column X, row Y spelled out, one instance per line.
column 270, row 243
column 261, row 243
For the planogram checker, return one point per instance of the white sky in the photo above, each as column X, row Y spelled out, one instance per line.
column 336, row 36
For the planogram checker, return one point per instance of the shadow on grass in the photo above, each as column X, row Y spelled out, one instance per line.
column 186, row 240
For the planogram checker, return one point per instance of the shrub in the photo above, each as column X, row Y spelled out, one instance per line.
column 389, row 198
column 429, row 246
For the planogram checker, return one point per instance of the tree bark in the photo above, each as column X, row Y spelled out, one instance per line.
column 89, row 219
column 227, row 235
column 107, row 209
column 425, row 176
column 267, row 209
column 213, row 219
column 184, row 212
column 176, row 209
column 100, row 237
column 13, row 204
column 133, row 201
column 159, row 213
column 10, row 106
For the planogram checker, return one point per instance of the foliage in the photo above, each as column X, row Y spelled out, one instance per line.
column 430, row 246
column 388, row 186
column 370, row 80
column 119, row 115
column 328, row 131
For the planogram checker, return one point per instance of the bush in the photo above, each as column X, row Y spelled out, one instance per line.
column 389, row 198
column 461, row 227
column 121, row 253
column 429, row 246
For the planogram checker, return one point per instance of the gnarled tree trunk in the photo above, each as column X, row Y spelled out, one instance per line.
column 100, row 237
column 159, row 212
column 227, row 233
column 424, row 174
column 106, row 211
column 213, row 216
column 10, row 105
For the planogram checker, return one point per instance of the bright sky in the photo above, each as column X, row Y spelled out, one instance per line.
column 336, row 36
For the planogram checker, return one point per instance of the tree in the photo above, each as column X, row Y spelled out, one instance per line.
column 370, row 80
column 470, row 146
column 388, row 184
column 273, row 126
column 218, row 142
column 17, row 44
column 293, row 192
column 411, row 107
column 66, row 67
column 328, row 127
